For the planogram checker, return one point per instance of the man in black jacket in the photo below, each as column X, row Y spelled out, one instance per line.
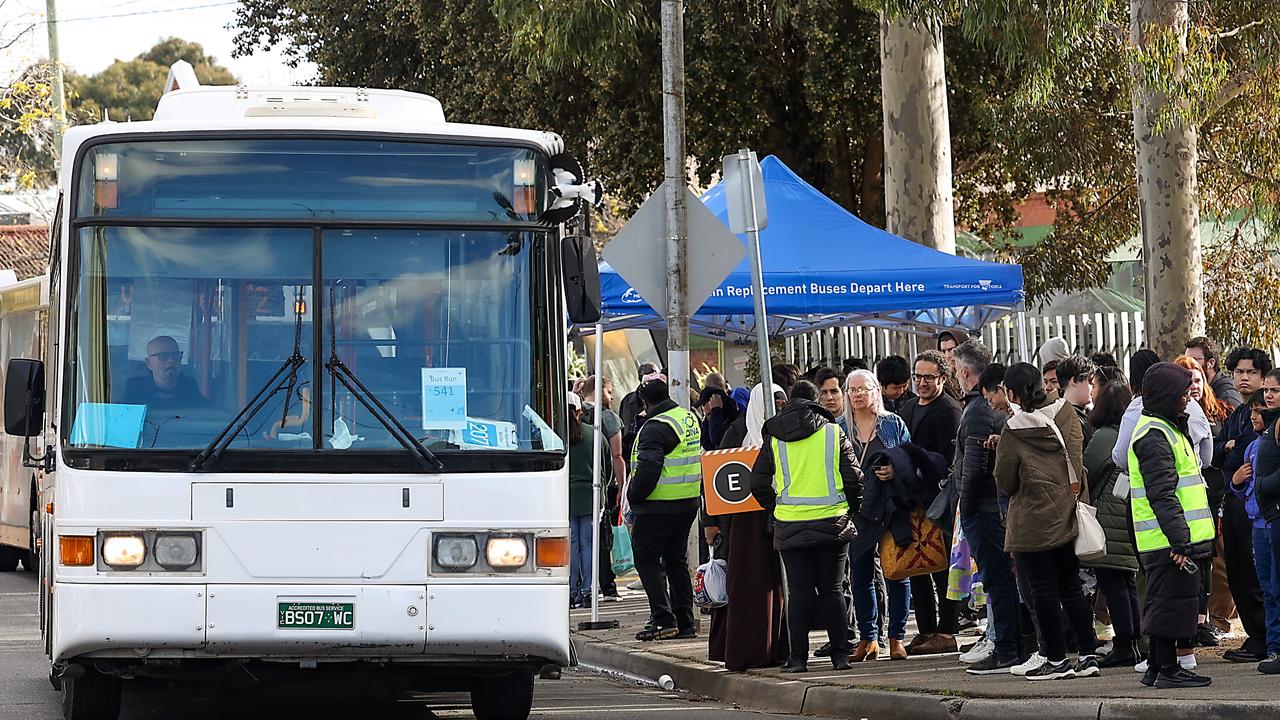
column 980, row 511
column 933, row 419
column 659, row 537
column 1247, row 366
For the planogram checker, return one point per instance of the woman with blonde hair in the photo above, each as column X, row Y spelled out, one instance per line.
column 872, row 430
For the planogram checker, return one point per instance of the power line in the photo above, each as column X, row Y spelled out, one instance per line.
column 146, row 12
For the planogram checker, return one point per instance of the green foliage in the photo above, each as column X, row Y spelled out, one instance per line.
column 130, row 89
column 26, row 109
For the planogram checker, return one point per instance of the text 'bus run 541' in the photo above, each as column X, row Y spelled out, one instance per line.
column 299, row 408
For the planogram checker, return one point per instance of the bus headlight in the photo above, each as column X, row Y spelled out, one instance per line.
column 123, row 551
column 456, row 552
column 506, row 553
column 176, row 551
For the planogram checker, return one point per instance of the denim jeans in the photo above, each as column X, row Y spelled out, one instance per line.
column 580, row 557
column 1264, row 560
column 862, row 570
column 985, row 533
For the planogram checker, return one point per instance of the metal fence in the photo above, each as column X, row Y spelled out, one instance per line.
column 1120, row 334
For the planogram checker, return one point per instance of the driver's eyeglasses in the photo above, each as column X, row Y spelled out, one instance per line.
column 925, row 378
column 175, row 356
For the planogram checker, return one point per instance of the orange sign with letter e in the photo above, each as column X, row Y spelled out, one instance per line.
column 726, row 480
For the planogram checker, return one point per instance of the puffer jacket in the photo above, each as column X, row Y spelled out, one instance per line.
column 797, row 421
column 1031, row 468
column 973, row 463
column 1113, row 513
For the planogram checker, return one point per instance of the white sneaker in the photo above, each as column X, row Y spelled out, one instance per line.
column 1032, row 663
column 1105, row 649
column 637, row 585
column 979, row 652
column 1188, row 662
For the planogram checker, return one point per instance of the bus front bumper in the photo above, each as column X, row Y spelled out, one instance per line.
column 456, row 624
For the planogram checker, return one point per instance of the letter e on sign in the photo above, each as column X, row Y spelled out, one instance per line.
column 726, row 480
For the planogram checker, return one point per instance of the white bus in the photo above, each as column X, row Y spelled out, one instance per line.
column 302, row 403
column 23, row 313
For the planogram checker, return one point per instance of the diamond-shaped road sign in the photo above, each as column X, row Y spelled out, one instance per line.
column 638, row 252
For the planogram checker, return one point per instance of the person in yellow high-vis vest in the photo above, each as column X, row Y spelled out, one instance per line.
column 1172, row 523
column 665, row 492
column 807, row 477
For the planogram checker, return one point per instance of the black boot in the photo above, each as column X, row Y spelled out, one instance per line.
column 795, row 666
column 1124, row 652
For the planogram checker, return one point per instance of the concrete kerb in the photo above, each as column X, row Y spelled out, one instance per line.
column 809, row 698
column 1198, row 709
column 770, row 694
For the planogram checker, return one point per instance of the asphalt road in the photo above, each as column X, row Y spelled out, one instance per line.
column 25, row 692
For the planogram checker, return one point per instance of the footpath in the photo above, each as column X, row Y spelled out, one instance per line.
column 924, row 688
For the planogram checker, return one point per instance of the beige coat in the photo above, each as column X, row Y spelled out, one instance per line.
column 1031, row 468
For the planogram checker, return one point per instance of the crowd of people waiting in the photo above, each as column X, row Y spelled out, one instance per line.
column 991, row 468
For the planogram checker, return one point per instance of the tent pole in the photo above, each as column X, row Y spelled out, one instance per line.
column 597, row 422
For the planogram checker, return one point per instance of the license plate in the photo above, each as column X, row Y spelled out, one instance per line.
column 316, row 616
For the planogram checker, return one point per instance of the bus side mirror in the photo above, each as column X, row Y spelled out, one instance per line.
column 24, row 397
column 581, row 279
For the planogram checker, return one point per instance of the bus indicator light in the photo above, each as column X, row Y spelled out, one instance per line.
column 553, row 552
column 75, row 550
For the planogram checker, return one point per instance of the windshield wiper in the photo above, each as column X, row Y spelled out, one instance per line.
column 288, row 370
column 339, row 371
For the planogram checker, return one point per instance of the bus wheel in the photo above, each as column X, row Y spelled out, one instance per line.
column 505, row 697
column 9, row 557
column 92, row 696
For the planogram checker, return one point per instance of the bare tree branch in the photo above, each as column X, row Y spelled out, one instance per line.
column 1237, row 31
column 17, row 37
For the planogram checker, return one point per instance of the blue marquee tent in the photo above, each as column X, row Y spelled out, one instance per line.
column 824, row 267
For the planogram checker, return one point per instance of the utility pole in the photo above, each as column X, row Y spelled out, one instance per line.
column 677, row 232
column 59, row 93
column 677, row 225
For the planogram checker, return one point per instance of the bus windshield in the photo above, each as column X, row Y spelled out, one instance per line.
column 178, row 327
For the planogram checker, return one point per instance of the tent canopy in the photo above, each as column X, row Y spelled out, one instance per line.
column 824, row 267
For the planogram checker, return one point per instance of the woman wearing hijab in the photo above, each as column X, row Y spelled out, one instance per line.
column 751, row 631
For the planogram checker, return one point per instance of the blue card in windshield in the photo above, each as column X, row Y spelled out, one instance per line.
column 444, row 398
column 108, row 425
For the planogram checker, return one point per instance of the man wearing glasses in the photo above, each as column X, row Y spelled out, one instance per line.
column 166, row 387
column 933, row 419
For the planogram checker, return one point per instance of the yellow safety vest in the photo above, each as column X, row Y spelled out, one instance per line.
column 1192, row 493
column 681, row 476
column 806, row 477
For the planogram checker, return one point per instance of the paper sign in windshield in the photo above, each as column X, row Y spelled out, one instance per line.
column 489, row 435
column 108, row 425
column 444, row 398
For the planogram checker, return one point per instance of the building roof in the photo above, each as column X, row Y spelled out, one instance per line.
column 25, row 249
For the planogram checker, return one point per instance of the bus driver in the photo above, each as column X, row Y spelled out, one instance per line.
column 166, row 387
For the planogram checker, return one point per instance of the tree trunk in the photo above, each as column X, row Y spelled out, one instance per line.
column 917, row 135
column 1167, row 194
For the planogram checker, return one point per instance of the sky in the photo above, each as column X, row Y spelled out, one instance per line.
column 94, row 33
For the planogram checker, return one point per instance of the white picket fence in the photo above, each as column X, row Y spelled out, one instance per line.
column 1120, row 334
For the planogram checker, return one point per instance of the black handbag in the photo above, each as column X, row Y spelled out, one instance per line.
column 944, row 504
